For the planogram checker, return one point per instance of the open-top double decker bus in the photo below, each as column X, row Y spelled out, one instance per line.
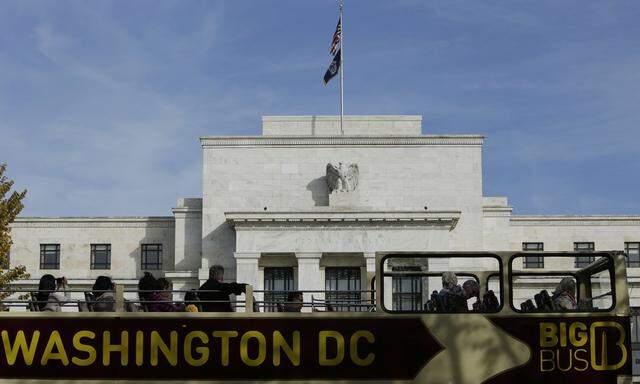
column 519, row 330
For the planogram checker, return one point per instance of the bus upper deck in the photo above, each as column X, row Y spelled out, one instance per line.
column 433, row 317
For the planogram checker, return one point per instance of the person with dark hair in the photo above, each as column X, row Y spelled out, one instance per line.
column 49, row 297
column 152, row 298
column 104, row 295
column 294, row 302
column 218, row 301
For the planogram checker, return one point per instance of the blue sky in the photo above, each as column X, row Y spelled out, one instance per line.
column 101, row 103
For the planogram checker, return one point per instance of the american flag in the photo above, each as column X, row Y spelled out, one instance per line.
column 337, row 35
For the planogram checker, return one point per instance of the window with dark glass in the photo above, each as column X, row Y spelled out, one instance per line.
column 632, row 249
column 533, row 261
column 100, row 256
column 49, row 256
column 343, row 288
column 583, row 261
column 278, row 281
column 151, row 257
column 407, row 290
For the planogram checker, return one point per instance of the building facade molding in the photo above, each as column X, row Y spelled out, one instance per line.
column 339, row 141
column 342, row 220
column 570, row 220
column 94, row 222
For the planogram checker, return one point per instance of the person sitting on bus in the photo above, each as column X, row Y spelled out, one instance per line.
column 49, row 297
column 151, row 297
column 471, row 289
column 218, row 300
column 451, row 294
column 104, row 295
column 564, row 296
column 294, row 302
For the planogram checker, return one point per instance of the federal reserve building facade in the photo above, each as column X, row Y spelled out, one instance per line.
column 305, row 206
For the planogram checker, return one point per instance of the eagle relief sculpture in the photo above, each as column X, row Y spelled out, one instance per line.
column 342, row 178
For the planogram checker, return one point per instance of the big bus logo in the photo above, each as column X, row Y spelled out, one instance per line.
column 577, row 346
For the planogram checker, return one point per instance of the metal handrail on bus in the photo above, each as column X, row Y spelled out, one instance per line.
column 363, row 300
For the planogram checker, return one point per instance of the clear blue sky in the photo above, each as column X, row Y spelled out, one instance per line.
column 101, row 103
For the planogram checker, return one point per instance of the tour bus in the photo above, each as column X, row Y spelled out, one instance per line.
column 431, row 317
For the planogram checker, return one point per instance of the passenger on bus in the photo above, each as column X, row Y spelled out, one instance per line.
column 564, row 296
column 104, row 295
column 471, row 289
column 218, row 301
column 49, row 296
column 451, row 294
column 294, row 302
column 152, row 298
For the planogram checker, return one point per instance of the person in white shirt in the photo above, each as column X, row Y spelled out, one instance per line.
column 52, row 293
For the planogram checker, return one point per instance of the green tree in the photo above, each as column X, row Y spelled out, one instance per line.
column 10, row 207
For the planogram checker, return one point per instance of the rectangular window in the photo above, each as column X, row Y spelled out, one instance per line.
column 278, row 281
column 345, row 284
column 151, row 257
column 533, row 261
column 632, row 249
column 100, row 256
column 583, row 261
column 49, row 256
column 441, row 283
column 564, row 289
column 407, row 290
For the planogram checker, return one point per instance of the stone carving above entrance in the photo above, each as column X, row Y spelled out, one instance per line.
column 342, row 178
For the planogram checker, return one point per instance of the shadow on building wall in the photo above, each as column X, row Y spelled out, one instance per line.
column 319, row 191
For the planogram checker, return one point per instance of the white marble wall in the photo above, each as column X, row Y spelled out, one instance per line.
column 253, row 175
column 75, row 235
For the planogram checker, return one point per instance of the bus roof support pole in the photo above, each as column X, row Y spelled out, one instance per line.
column 119, row 298
column 248, row 299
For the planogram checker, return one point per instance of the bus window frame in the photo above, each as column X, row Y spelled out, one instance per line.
column 575, row 272
column 456, row 255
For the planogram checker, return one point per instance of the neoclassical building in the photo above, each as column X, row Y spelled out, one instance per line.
column 274, row 215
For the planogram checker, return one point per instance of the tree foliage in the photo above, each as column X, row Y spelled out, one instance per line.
column 10, row 207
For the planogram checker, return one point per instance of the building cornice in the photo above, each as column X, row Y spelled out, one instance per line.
column 342, row 219
column 339, row 141
column 565, row 220
column 94, row 222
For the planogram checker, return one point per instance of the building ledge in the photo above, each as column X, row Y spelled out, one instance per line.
column 90, row 222
column 339, row 141
column 575, row 220
column 351, row 218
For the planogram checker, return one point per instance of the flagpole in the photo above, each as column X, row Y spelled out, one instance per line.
column 341, row 72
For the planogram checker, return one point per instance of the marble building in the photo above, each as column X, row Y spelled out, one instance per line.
column 276, row 216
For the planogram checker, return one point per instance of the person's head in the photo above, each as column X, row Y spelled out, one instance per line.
column 471, row 288
column 295, row 300
column 191, row 296
column 46, row 286
column 449, row 280
column 47, row 283
column 103, row 283
column 147, row 283
column 216, row 272
column 566, row 285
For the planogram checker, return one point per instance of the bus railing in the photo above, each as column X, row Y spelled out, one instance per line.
column 134, row 300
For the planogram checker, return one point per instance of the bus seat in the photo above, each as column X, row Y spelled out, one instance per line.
column 490, row 302
column 527, row 306
column 544, row 302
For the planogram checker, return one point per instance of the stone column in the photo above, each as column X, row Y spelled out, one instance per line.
column 188, row 234
column 247, row 272
column 309, row 276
